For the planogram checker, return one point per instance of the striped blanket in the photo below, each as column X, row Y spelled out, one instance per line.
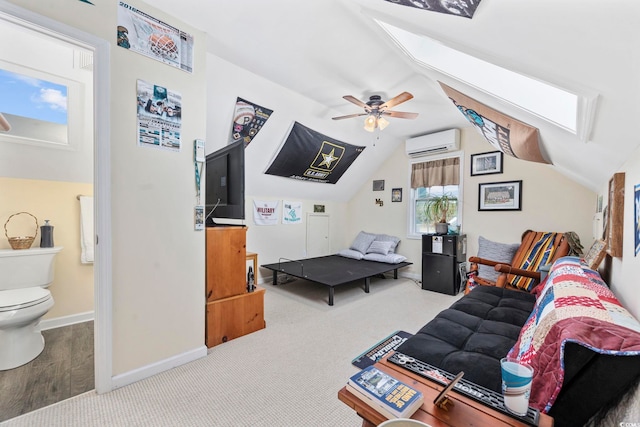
column 574, row 305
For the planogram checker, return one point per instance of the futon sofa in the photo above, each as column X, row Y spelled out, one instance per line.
column 582, row 344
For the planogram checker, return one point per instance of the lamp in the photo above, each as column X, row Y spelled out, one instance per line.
column 370, row 123
column 375, row 120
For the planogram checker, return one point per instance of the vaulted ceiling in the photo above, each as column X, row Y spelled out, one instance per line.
column 325, row 49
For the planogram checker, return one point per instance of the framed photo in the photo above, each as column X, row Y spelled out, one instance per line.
column 486, row 163
column 318, row 208
column 596, row 253
column 378, row 185
column 500, row 196
column 396, row 195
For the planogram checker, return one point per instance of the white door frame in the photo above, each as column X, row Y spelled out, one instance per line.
column 103, row 342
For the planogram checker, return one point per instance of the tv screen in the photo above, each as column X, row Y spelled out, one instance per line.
column 224, row 192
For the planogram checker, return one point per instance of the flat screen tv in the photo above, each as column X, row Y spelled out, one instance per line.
column 224, row 191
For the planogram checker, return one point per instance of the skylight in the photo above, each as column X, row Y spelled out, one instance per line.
column 563, row 108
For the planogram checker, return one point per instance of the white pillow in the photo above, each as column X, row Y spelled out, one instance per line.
column 350, row 253
column 386, row 238
column 494, row 251
column 362, row 242
column 379, row 247
column 389, row 258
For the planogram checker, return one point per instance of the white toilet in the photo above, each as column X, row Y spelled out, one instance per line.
column 24, row 276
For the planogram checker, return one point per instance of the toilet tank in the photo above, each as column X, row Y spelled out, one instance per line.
column 24, row 268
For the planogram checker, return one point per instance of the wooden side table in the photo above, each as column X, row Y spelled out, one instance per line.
column 464, row 412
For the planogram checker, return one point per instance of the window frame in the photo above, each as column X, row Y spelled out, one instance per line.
column 411, row 215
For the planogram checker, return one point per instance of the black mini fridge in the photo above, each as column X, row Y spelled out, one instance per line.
column 443, row 262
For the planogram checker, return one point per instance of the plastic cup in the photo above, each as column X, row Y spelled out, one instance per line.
column 516, row 385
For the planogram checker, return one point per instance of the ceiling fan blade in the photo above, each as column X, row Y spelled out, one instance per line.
column 356, row 101
column 400, row 114
column 404, row 96
column 349, row 116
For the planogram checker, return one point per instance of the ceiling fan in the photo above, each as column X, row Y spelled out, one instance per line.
column 375, row 110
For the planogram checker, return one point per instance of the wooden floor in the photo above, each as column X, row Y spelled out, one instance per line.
column 63, row 369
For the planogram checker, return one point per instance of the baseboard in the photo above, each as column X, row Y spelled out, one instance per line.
column 412, row 276
column 158, row 367
column 59, row 322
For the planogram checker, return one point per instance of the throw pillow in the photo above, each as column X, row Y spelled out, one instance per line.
column 379, row 247
column 386, row 238
column 362, row 242
column 494, row 251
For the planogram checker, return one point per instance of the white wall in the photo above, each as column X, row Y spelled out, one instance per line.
column 624, row 274
column 158, row 259
column 550, row 202
column 226, row 83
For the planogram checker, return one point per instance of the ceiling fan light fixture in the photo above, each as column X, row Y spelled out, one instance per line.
column 370, row 123
column 382, row 122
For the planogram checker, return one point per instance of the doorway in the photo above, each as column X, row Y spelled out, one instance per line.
column 100, row 177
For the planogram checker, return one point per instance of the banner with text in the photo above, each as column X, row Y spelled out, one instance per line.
column 311, row 156
column 505, row 133
column 291, row 212
column 265, row 212
column 248, row 119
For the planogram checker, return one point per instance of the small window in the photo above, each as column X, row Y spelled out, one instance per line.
column 419, row 222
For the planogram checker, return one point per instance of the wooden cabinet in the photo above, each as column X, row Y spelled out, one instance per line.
column 231, row 311
column 234, row 317
column 226, row 260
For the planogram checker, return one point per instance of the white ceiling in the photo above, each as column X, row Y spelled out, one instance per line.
column 324, row 49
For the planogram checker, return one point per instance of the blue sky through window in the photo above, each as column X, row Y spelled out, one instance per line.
column 33, row 98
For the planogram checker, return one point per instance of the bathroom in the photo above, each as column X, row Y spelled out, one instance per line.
column 44, row 173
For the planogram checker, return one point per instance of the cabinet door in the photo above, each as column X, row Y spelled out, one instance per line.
column 226, row 259
column 234, row 317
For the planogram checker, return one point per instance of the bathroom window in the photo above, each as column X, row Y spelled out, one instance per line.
column 44, row 93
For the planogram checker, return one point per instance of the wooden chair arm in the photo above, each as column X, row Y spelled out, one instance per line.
column 477, row 260
column 507, row 269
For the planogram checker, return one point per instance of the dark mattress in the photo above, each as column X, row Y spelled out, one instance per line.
column 333, row 270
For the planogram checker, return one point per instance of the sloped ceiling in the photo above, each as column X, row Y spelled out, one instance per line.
column 325, row 49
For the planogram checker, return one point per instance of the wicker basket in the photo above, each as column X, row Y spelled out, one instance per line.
column 23, row 242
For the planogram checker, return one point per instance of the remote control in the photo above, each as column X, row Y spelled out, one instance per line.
column 478, row 393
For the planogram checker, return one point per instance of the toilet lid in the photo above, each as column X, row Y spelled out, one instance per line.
column 14, row 299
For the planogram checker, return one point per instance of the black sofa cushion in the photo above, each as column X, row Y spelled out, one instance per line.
column 473, row 334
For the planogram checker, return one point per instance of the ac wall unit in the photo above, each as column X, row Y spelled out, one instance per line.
column 433, row 143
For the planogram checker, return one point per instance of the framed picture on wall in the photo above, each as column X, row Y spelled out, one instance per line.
column 486, row 163
column 378, row 185
column 500, row 196
column 396, row 195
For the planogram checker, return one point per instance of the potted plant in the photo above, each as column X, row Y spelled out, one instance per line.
column 437, row 208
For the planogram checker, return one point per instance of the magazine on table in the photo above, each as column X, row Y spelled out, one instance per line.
column 384, row 393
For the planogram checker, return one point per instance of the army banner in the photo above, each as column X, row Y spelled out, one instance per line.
column 512, row 137
column 248, row 119
column 311, row 156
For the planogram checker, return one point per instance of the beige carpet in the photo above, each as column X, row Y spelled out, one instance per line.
column 286, row 375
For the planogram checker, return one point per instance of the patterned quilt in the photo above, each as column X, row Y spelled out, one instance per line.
column 574, row 305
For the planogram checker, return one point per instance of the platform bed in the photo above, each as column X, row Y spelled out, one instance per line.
column 333, row 270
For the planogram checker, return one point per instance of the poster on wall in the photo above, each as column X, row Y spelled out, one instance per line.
column 308, row 155
column 248, row 119
column 464, row 8
column 504, row 133
column 636, row 197
column 159, row 117
column 265, row 212
column 153, row 38
column 291, row 212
